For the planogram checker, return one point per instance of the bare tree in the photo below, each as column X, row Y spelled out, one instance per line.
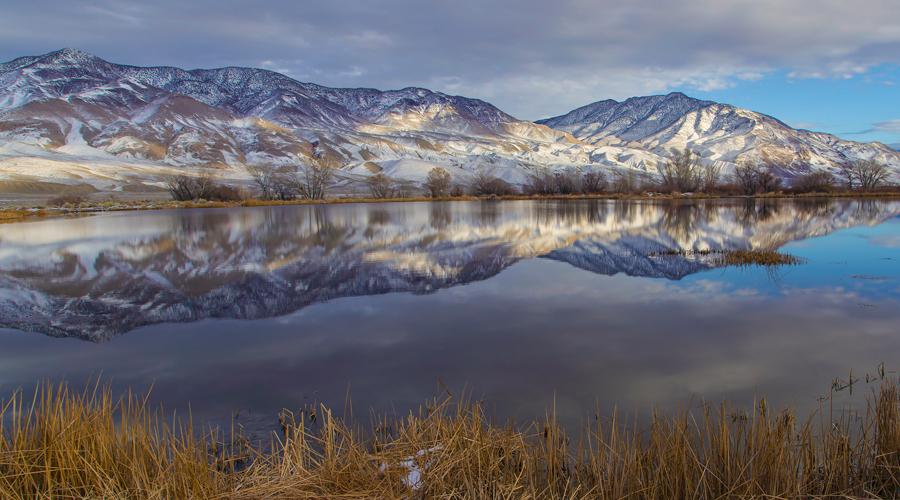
column 710, row 176
column 486, row 184
column 184, row 187
column 766, row 180
column 381, row 186
column 180, row 187
column 313, row 181
column 593, row 182
column 541, row 183
column 745, row 177
column 848, row 173
column 274, row 185
column 566, row 182
column 627, row 181
column 438, row 182
column 813, row 182
column 754, row 178
column 870, row 174
column 682, row 173
column 263, row 178
column 284, row 187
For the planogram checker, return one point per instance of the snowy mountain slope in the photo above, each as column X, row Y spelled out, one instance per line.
column 100, row 276
column 71, row 117
column 231, row 118
column 720, row 133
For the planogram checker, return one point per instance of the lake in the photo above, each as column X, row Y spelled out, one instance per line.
column 520, row 304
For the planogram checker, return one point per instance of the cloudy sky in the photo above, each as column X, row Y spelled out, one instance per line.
column 829, row 65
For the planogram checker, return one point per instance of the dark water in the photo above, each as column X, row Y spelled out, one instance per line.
column 519, row 303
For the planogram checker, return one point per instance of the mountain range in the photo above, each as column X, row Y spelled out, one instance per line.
column 71, row 118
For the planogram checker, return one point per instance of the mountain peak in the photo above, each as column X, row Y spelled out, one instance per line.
column 70, row 55
column 662, row 110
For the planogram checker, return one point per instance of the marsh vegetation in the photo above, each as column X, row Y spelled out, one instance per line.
column 90, row 444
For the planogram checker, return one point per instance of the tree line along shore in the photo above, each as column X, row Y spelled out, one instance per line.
column 682, row 177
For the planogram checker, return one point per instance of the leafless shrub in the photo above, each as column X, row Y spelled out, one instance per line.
column 381, row 186
column 541, row 183
column 263, row 177
column 484, row 184
column 184, row 187
column 202, row 187
column 567, row 182
column 754, row 178
column 438, row 182
column 847, row 173
column 627, row 181
column 682, row 173
column 285, row 187
column 593, row 182
column 275, row 185
column 560, row 182
column 710, row 178
column 767, row 181
column 457, row 190
column 223, row 192
column 813, row 182
column 64, row 199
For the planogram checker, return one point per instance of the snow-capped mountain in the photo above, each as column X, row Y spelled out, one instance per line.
column 720, row 133
column 100, row 276
column 69, row 117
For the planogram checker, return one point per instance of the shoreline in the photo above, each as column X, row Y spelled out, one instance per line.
column 15, row 214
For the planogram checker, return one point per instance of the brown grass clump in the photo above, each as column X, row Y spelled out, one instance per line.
column 739, row 258
column 63, row 444
column 759, row 258
column 16, row 215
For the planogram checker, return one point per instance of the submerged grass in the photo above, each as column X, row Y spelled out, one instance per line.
column 64, row 444
column 16, row 215
column 740, row 258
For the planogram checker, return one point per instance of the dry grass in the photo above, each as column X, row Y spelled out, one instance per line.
column 739, row 258
column 60, row 444
column 18, row 215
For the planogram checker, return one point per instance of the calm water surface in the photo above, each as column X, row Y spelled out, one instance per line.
column 516, row 302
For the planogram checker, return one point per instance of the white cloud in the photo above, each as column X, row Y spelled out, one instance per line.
column 891, row 126
column 530, row 57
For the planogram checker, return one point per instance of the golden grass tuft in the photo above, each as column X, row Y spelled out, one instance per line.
column 739, row 258
column 16, row 215
column 63, row 444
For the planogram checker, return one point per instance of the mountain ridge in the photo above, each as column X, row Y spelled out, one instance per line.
column 69, row 116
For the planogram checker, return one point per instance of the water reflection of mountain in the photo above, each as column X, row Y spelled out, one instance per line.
column 99, row 276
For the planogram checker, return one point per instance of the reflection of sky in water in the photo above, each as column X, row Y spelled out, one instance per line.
column 539, row 329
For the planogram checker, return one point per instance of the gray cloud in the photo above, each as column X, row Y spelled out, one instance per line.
column 892, row 126
column 530, row 57
column 889, row 126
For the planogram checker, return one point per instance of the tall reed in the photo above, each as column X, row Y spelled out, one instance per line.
column 59, row 443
